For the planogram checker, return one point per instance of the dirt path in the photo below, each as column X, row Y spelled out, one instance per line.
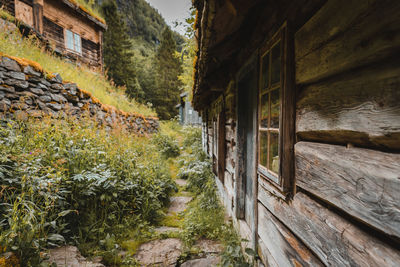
column 167, row 252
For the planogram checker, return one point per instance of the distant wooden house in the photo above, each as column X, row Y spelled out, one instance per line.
column 187, row 115
column 72, row 30
column 301, row 105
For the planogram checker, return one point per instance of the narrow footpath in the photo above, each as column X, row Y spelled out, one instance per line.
column 168, row 251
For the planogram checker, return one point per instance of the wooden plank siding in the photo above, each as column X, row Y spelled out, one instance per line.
column 346, row 211
column 335, row 240
column 360, row 107
column 54, row 33
column 345, row 34
column 9, row 6
column 283, row 246
column 362, row 182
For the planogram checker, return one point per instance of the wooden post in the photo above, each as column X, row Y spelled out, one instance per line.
column 38, row 15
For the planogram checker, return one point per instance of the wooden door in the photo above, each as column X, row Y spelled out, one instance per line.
column 246, row 153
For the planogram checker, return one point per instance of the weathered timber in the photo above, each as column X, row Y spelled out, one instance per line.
column 360, row 107
column 265, row 255
column 362, row 39
column 284, row 247
column 364, row 183
column 335, row 240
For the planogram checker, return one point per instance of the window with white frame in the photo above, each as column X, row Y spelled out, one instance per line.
column 73, row 41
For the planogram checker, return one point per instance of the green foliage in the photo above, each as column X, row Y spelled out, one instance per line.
column 205, row 215
column 167, row 66
column 117, row 52
column 70, row 182
column 166, row 145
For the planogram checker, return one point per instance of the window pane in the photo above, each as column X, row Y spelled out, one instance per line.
column 273, row 164
column 77, row 42
column 263, row 148
column 265, row 72
column 69, row 39
column 276, row 63
column 275, row 108
column 264, row 110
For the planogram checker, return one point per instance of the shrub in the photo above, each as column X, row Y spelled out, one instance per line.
column 167, row 145
column 67, row 181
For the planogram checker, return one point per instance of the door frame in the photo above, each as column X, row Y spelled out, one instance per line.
column 240, row 172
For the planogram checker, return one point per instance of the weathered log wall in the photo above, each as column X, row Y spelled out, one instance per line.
column 346, row 211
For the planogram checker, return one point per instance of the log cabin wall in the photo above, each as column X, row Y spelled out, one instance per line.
column 52, row 18
column 346, row 209
column 9, row 6
column 58, row 13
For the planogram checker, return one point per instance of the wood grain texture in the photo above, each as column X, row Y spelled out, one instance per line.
column 364, row 32
column 335, row 240
column 360, row 107
column 67, row 18
column 283, row 246
column 363, row 183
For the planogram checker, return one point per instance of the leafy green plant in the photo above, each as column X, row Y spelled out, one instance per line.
column 167, row 145
column 68, row 181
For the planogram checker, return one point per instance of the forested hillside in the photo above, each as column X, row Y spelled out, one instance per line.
column 132, row 49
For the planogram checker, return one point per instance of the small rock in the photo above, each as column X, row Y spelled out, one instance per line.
column 178, row 204
column 34, row 79
column 58, row 98
column 56, row 78
column 45, row 98
column 159, row 252
column 203, row 262
column 9, row 64
column 57, row 86
column 16, row 75
column 54, row 106
column 71, row 87
column 41, row 105
column 45, row 82
column 42, row 86
column 30, row 71
column 69, row 256
column 8, row 89
column 17, row 83
column 37, row 91
column 181, row 182
column 2, row 75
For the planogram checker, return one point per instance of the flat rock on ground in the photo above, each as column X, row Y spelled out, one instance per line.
column 203, row 262
column 178, row 204
column 209, row 246
column 181, row 182
column 163, row 252
column 69, row 256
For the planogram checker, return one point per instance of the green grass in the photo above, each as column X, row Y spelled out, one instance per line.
column 97, row 84
column 91, row 9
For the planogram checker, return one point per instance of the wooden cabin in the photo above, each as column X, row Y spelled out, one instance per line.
column 300, row 103
column 71, row 30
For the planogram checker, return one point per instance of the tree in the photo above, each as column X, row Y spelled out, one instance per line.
column 117, row 52
column 168, row 68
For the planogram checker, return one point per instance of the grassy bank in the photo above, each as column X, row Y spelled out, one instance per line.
column 70, row 182
column 11, row 43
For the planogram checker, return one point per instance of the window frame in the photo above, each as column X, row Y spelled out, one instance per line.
column 284, row 181
column 74, row 42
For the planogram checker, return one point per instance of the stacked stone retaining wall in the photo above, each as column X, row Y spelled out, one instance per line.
column 26, row 90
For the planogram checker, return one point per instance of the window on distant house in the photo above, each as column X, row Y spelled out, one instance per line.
column 73, row 41
column 276, row 113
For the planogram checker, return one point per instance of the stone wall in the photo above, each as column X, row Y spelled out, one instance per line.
column 26, row 90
